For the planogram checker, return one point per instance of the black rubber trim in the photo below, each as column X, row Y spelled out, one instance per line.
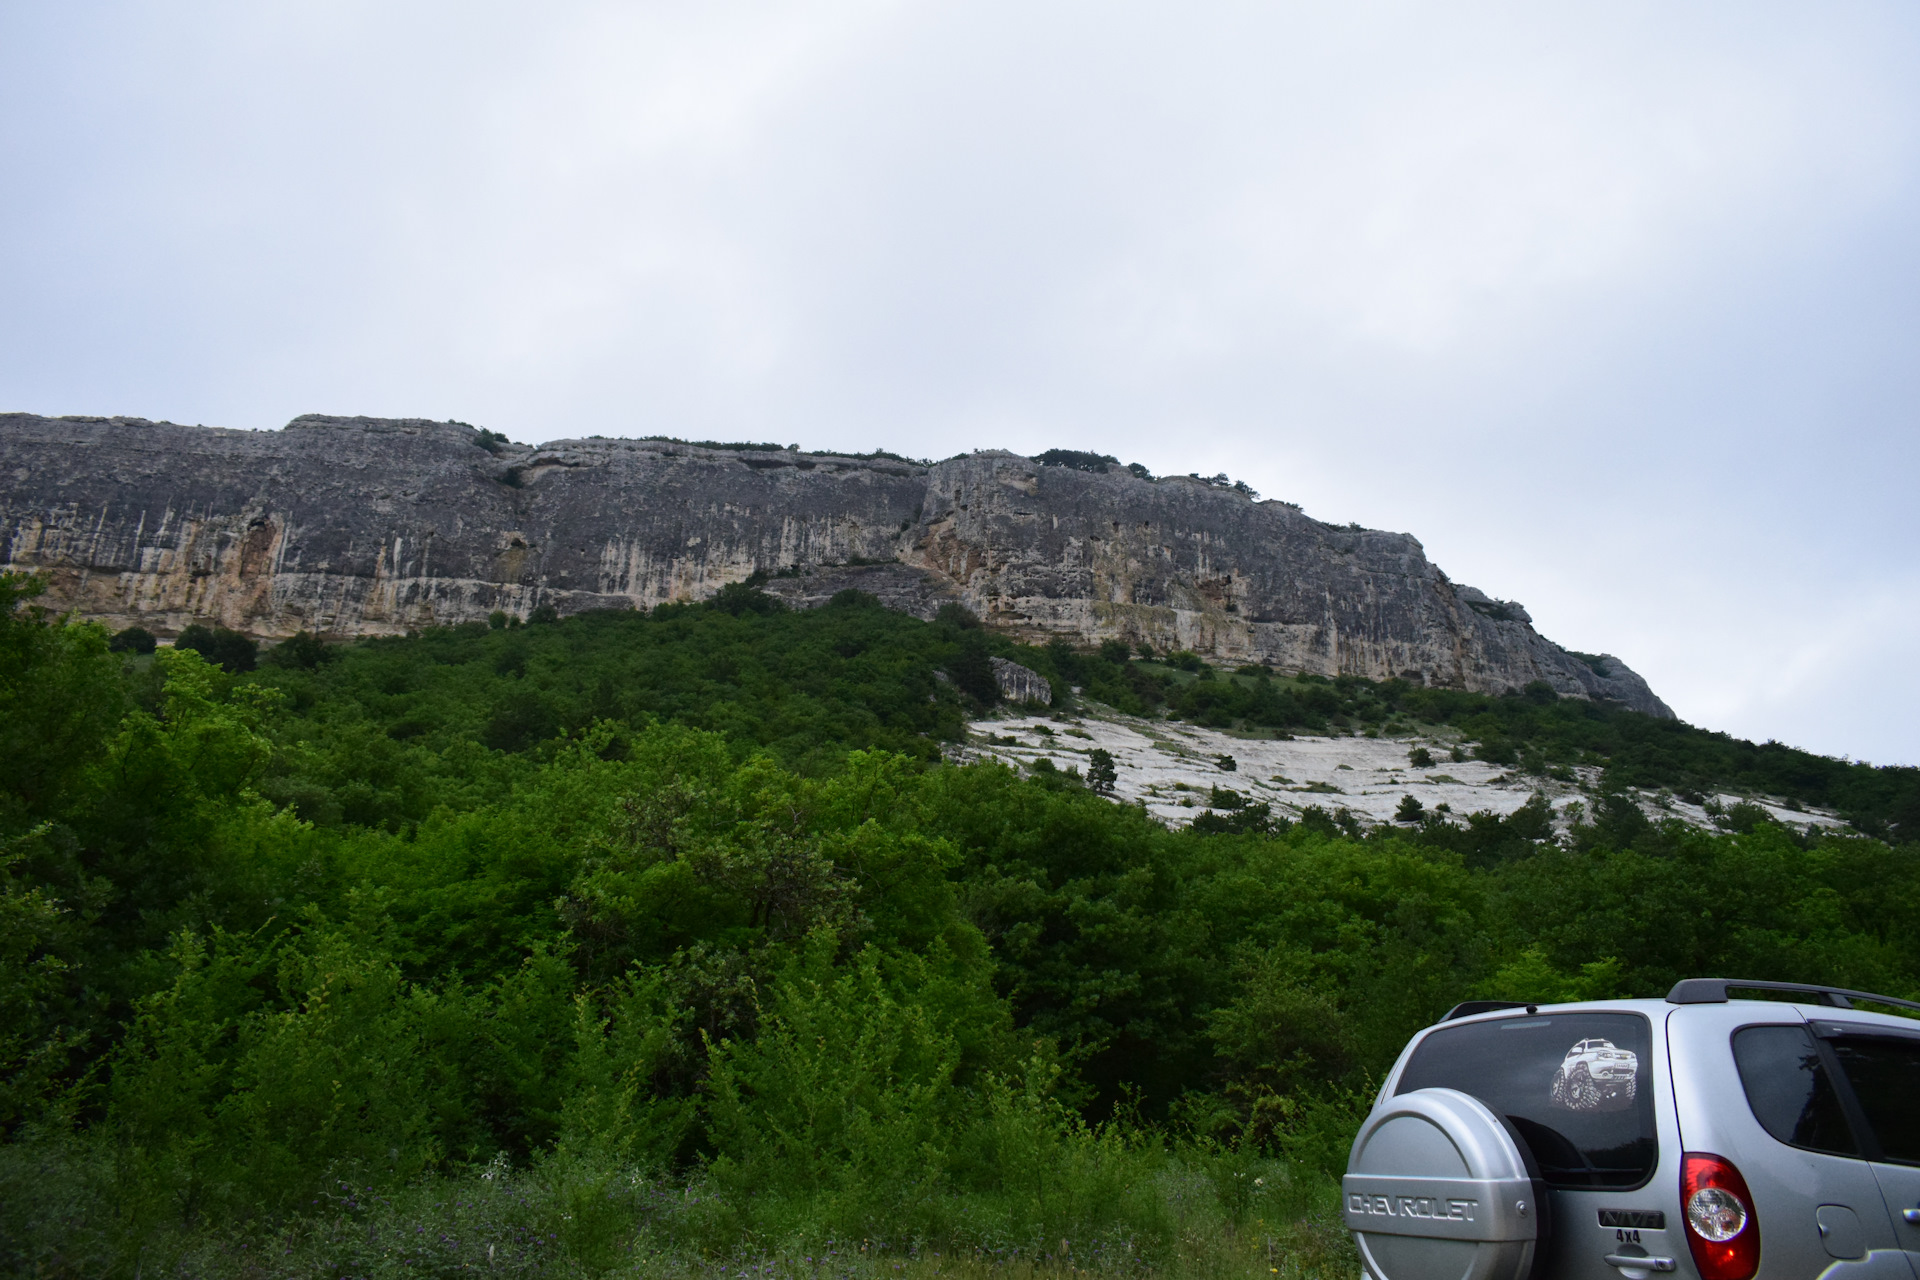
column 1467, row 1008
column 1542, row 1201
column 1714, row 991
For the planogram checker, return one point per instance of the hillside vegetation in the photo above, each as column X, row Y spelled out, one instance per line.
column 669, row 943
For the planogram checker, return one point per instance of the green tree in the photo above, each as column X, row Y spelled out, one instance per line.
column 302, row 650
column 1101, row 771
column 60, row 700
column 229, row 650
column 134, row 640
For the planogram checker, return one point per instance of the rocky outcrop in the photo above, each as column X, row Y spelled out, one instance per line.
column 1021, row 684
column 362, row 526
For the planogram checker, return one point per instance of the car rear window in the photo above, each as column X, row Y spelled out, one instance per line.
column 1576, row 1086
column 1789, row 1091
column 1885, row 1075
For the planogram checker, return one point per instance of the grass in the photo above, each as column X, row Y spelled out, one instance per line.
column 1217, row 1218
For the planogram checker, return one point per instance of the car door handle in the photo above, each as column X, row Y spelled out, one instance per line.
column 1639, row 1261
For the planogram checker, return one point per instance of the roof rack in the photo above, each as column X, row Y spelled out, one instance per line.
column 1467, row 1008
column 1714, row 991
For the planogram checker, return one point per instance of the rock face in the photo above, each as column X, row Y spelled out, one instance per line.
column 1020, row 684
column 363, row 526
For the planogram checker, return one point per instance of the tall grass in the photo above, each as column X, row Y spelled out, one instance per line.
column 1109, row 1207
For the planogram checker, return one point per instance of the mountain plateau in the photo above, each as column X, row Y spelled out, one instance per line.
column 368, row 526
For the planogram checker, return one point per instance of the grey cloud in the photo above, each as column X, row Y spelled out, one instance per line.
column 1613, row 308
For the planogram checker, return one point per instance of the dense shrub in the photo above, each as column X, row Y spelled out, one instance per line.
column 134, row 640
column 302, row 649
column 644, row 941
column 229, row 650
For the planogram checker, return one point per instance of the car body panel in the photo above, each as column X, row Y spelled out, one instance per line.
column 1581, row 1242
column 1789, row 1185
column 1807, row 1204
column 1900, row 1191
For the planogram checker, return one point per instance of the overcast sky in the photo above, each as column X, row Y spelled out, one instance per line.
column 1616, row 307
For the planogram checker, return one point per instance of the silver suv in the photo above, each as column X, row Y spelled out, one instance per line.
column 1697, row 1136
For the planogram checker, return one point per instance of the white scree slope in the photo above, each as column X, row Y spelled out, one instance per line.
column 1171, row 768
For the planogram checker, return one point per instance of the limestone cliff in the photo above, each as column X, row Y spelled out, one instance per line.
column 362, row 526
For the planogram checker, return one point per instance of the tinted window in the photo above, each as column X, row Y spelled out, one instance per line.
column 1789, row 1091
column 1576, row 1086
column 1885, row 1075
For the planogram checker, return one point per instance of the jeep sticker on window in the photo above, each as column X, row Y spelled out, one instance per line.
column 1595, row 1076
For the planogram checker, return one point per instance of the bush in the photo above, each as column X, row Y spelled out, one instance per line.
column 1494, row 749
column 957, row 616
column 971, row 669
column 737, row 598
column 1076, row 460
column 1744, row 817
column 302, row 650
column 1420, row 758
column 133, row 640
column 846, row 1102
column 228, row 650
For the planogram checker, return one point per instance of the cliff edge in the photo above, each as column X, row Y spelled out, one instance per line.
column 368, row 526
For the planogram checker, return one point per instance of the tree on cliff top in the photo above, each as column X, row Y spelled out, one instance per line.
column 1075, row 460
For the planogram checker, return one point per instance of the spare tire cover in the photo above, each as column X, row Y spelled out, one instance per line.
column 1437, row 1189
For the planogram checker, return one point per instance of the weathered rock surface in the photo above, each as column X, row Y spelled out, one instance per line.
column 360, row 526
column 1020, row 684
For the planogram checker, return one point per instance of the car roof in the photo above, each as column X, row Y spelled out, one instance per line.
column 1659, row 1009
column 1657, row 1012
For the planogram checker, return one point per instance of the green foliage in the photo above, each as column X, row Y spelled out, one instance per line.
column 302, row 650
column 1101, row 771
column 1076, row 460
column 847, row 1091
column 59, row 701
column 676, row 925
column 226, row 649
column 625, row 1037
column 135, row 640
column 36, row 937
column 224, row 1093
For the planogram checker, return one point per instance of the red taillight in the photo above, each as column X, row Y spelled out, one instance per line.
column 1722, row 1229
